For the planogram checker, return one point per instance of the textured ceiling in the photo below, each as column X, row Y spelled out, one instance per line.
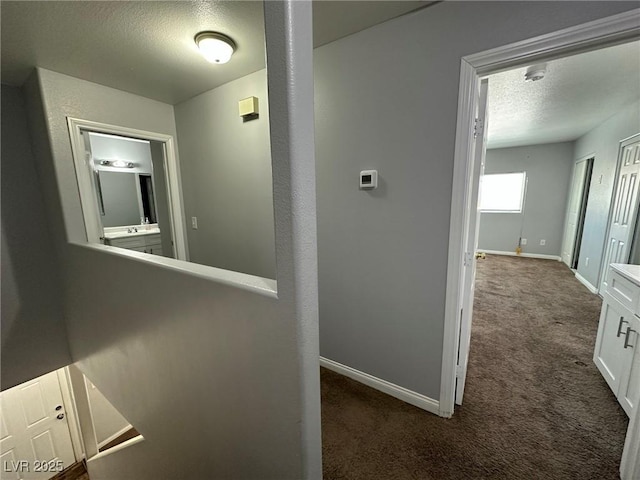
column 147, row 48
column 577, row 94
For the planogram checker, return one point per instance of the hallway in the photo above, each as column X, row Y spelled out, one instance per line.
column 535, row 405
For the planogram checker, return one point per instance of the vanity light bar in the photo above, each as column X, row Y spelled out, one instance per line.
column 116, row 163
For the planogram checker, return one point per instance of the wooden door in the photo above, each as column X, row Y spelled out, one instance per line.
column 35, row 440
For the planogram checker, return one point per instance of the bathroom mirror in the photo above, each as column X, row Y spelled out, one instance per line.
column 202, row 191
column 119, row 199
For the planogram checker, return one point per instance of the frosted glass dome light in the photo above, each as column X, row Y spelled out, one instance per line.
column 215, row 47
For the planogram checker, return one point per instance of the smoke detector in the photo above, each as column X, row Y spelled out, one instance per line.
column 535, row 73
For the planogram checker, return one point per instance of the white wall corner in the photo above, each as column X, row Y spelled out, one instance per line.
column 288, row 31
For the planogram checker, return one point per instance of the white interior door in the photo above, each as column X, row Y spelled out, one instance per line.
column 575, row 207
column 471, row 241
column 624, row 209
column 35, row 440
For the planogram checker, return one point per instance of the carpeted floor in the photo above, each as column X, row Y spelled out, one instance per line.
column 535, row 406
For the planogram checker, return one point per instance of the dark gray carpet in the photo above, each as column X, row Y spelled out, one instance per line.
column 535, row 405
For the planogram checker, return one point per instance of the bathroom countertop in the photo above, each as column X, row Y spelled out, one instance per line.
column 630, row 272
column 122, row 232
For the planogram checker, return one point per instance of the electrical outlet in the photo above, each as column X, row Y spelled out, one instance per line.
column 523, row 241
column 543, row 242
column 586, row 262
column 194, row 223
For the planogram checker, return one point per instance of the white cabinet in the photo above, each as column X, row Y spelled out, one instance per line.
column 629, row 391
column 141, row 243
column 617, row 353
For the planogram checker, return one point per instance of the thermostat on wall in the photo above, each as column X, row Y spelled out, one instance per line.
column 369, row 179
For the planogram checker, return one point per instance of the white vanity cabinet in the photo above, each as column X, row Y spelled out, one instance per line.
column 146, row 243
column 617, row 352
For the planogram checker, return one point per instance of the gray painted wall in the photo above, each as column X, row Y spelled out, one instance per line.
column 236, row 360
column 548, row 170
column 107, row 421
column 226, row 178
column 34, row 338
column 602, row 142
column 386, row 99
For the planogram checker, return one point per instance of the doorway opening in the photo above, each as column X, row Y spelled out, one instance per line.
column 576, row 212
column 129, row 188
column 469, row 154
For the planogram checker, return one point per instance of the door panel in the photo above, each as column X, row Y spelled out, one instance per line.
column 33, row 404
column 575, row 206
column 471, row 241
column 625, row 209
column 34, row 428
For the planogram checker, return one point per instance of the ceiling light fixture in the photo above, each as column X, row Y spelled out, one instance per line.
column 535, row 73
column 215, row 47
column 116, row 163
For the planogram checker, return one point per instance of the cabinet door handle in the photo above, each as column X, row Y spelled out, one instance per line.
column 622, row 320
column 626, row 337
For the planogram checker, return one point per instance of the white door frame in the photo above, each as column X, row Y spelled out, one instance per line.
column 597, row 34
column 471, row 237
column 71, row 412
column 87, row 197
column 586, row 159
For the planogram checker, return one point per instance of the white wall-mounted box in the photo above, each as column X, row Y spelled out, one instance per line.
column 248, row 106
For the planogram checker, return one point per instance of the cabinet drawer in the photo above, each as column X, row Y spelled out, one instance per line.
column 131, row 242
column 624, row 291
column 152, row 240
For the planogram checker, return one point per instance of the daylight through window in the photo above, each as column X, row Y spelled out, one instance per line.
column 503, row 192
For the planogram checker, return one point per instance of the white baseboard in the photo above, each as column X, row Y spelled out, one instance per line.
column 401, row 393
column 525, row 255
column 114, row 436
column 586, row 283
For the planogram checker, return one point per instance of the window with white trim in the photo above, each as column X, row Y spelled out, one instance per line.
column 502, row 192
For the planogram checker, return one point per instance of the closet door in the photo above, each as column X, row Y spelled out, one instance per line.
column 573, row 217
